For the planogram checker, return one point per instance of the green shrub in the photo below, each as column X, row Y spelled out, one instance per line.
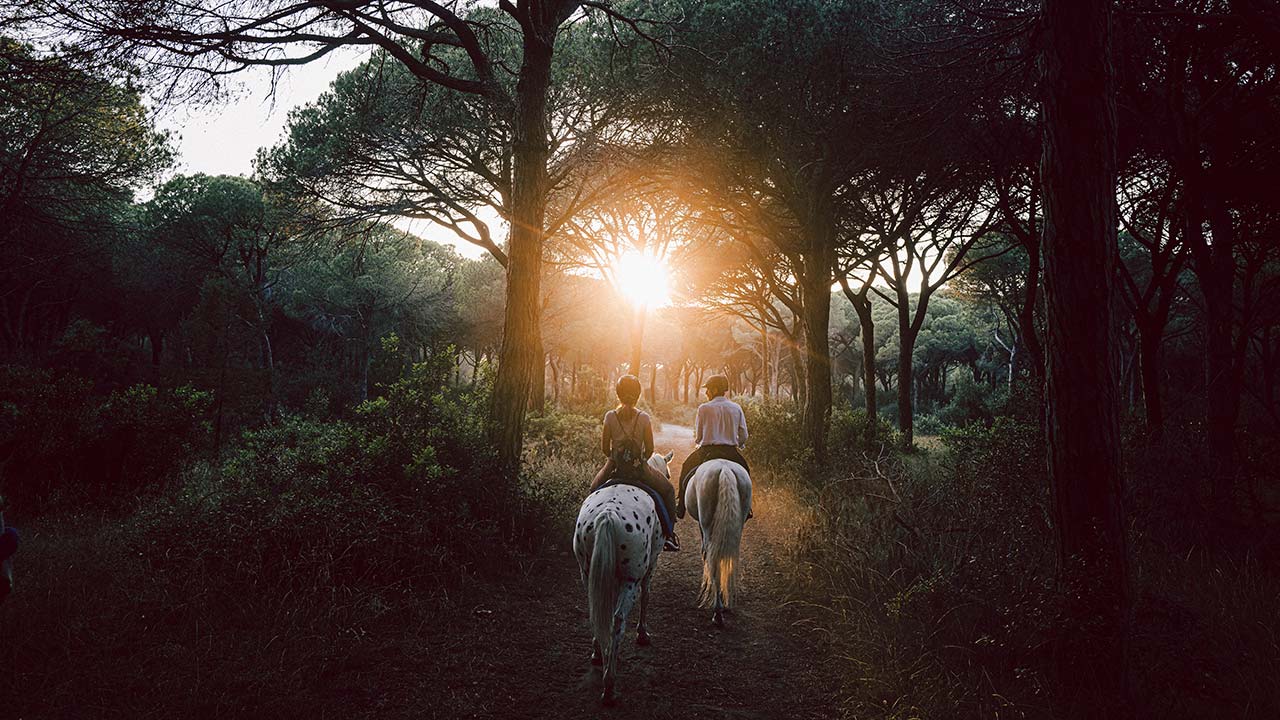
column 973, row 402
column 67, row 445
column 774, row 425
column 848, row 432
column 670, row 411
column 562, row 434
column 930, row 425
column 407, row 488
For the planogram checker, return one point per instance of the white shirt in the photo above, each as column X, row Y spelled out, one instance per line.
column 720, row 422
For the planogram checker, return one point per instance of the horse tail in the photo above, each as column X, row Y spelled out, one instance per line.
column 720, row 569
column 602, row 582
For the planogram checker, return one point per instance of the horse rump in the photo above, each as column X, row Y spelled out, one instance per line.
column 719, row 570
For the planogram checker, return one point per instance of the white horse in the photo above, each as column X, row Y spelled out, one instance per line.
column 617, row 542
column 719, row 498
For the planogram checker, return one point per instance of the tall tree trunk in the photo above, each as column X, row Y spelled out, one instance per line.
column 521, row 337
column 637, row 339
column 906, row 378
column 1149, row 341
column 1078, row 178
column 764, row 357
column 555, row 381
column 1217, row 283
column 816, row 304
column 1027, row 331
column 798, row 394
column 538, row 388
column 157, row 346
column 363, row 353
column 867, row 329
column 653, row 383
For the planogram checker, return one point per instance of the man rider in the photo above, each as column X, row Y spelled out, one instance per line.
column 719, row 431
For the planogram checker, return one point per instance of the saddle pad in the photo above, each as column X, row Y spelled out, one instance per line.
column 663, row 513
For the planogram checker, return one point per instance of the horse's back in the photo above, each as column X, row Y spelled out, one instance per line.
column 704, row 487
column 636, row 527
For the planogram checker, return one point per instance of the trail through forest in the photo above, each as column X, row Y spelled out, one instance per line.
column 524, row 652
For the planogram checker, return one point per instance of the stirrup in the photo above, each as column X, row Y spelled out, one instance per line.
column 671, row 544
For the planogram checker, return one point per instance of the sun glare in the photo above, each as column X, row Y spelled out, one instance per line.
column 642, row 278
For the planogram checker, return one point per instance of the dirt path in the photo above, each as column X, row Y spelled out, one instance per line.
column 768, row 662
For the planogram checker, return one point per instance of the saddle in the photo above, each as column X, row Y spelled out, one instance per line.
column 664, row 513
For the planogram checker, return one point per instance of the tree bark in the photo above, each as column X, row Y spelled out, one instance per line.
column 521, row 337
column 1149, row 340
column 1222, row 389
column 764, row 357
column 1030, row 335
column 1078, row 176
column 816, row 304
column 653, row 383
column 867, row 327
column 906, row 374
column 637, row 339
column 157, row 346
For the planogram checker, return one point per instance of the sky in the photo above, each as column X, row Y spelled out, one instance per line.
column 224, row 138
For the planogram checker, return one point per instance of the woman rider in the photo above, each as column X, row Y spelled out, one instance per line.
column 627, row 443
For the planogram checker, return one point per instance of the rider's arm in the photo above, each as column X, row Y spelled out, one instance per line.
column 648, row 437
column 697, row 427
column 604, row 437
column 742, row 428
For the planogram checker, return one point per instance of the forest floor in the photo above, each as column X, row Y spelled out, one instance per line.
column 522, row 650
column 87, row 640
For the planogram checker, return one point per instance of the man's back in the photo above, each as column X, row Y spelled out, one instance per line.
column 720, row 421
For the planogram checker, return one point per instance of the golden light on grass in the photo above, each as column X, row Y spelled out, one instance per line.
column 643, row 279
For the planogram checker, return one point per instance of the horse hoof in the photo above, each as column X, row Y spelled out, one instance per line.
column 718, row 619
column 596, row 659
column 642, row 639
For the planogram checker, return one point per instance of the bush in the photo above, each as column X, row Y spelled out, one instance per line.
column 973, row 402
column 407, row 488
column 671, row 411
column 562, row 434
column 774, row 425
column 930, row 425
column 68, row 445
column 848, row 433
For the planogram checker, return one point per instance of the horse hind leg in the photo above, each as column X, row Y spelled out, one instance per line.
column 625, row 600
column 642, row 631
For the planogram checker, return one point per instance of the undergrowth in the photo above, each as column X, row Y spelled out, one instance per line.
column 940, row 566
column 279, row 579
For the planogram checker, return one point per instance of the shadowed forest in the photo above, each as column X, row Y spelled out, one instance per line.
column 996, row 283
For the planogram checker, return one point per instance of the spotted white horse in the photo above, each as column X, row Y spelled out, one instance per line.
column 718, row 496
column 617, row 542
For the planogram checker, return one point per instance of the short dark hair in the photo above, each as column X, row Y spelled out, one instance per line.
column 628, row 389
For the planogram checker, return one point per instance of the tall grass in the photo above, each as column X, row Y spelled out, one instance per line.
column 939, row 566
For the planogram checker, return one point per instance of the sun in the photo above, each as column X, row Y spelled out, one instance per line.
column 643, row 279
